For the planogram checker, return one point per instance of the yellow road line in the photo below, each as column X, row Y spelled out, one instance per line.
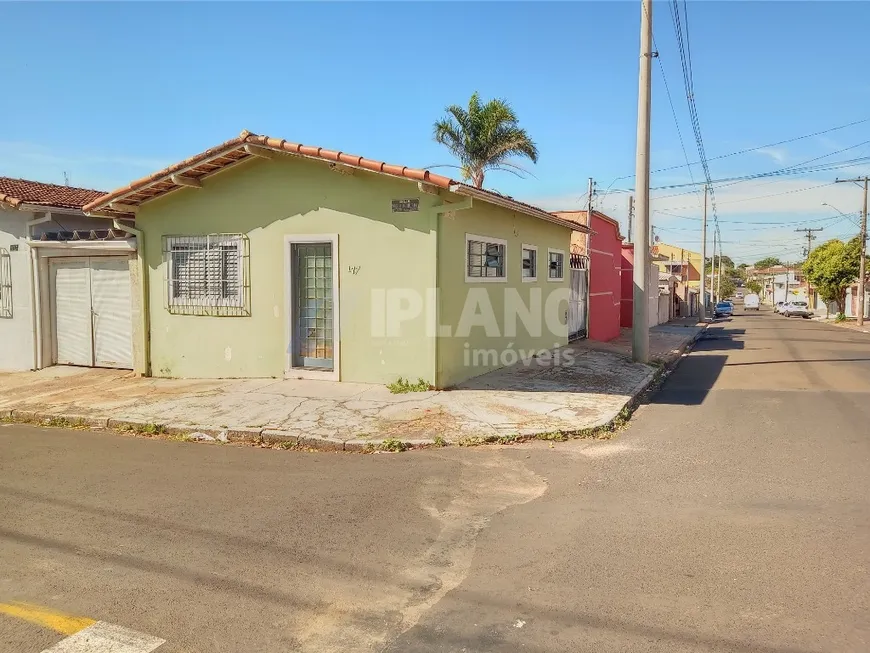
column 66, row 624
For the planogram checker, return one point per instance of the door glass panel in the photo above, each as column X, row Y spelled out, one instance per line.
column 313, row 305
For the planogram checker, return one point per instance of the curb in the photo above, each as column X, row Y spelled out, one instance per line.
column 292, row 440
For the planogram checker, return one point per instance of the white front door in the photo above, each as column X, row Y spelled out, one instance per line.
column 92, row 312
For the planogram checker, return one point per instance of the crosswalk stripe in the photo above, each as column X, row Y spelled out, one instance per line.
column 102, row 637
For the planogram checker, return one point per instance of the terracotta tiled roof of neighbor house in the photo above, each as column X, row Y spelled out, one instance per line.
column 15, row 192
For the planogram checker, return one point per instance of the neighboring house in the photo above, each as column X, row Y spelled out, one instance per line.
column 266, row 258
column 627, row 283
column 781, row 284
column 603, row 246
column 64, row 280
column 680, row 262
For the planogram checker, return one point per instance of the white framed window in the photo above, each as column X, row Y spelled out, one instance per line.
column 530, row 263
column 485, row 259
column 207, row 275
column 555, row 264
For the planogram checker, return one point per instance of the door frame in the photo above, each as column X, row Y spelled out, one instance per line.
column 289, row 312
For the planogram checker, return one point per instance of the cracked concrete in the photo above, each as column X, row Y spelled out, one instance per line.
column 541, row 396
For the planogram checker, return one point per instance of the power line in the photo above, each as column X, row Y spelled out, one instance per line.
column 762, row 147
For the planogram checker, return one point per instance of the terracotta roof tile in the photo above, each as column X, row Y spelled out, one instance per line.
column 234, row 150
column 23, row 191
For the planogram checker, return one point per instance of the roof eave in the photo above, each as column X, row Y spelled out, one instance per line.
column 519, row 207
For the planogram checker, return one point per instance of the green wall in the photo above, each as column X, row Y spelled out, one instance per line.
column 267, row 200
column 456, row 360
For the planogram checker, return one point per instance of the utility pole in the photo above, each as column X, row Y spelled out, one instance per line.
column 810, row 239
column 703, row 310
column 630, row 215
column 589, row 194
column 712, row 268
column 862, row 267
column 640, row 317
column 719, row 276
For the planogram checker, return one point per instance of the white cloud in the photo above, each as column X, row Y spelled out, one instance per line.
column 778, row 154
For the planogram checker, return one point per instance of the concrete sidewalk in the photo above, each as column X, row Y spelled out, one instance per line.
column 523, row 400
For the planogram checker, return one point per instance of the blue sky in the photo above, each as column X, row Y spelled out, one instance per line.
column 111, row 92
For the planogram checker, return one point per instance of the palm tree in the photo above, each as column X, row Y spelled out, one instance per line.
column 484, row 137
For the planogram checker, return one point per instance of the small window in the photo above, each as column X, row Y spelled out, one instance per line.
column 530, row 263
column 556, row 270
column 485, row 258
column 207, row 275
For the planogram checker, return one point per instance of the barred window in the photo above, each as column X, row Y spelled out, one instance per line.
column 5, row 283
column 485, row 258
column 530, row 262
column 207, row 275
column 557, row 265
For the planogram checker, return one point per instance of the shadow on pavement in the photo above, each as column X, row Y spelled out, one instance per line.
column 442, row 637
column 696, row 374
column 802, row 360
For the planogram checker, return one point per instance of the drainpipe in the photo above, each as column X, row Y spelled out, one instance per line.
column 144, row 304
column 36, row 293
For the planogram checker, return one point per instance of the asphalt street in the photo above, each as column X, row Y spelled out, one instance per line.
column 733, row 514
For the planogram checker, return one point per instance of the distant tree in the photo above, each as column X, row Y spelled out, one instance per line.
column 753, row 286
column 743, row 266
column 832, row 267
column 713, row 264
column 768, row 262
column 483, row 137
column 727, row 289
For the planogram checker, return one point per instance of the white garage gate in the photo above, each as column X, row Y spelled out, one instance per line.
column 92, row 313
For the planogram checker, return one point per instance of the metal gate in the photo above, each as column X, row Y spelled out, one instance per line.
column 578, row 300
column 92, row 311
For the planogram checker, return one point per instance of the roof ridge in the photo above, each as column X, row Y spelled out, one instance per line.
column 52, row 184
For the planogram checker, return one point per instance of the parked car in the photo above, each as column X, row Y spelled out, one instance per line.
column 796, row 308
column 738, row 294
column 778, row 307
column 751, row 302
column 723, row 309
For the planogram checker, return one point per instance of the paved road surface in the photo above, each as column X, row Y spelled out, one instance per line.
column 732, row 515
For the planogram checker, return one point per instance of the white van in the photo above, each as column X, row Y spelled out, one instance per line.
column 751, row 302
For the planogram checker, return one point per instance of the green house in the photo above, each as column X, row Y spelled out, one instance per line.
column 265, row 258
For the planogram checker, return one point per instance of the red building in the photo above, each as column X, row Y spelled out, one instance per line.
column 604, row 249
column 626, row 309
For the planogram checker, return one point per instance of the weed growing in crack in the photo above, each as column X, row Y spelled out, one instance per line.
column 402, row 386
column 393, row 444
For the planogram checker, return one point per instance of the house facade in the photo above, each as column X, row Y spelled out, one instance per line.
column 65, row 280
column 679, row 262
column 653, row 293
column 603, row 246
column 264, row 258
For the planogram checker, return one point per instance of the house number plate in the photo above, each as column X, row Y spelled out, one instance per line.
column 406, row 206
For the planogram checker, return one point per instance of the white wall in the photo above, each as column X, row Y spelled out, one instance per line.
column 16, row 332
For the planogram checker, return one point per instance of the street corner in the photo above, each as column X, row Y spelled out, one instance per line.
column 31, row 628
